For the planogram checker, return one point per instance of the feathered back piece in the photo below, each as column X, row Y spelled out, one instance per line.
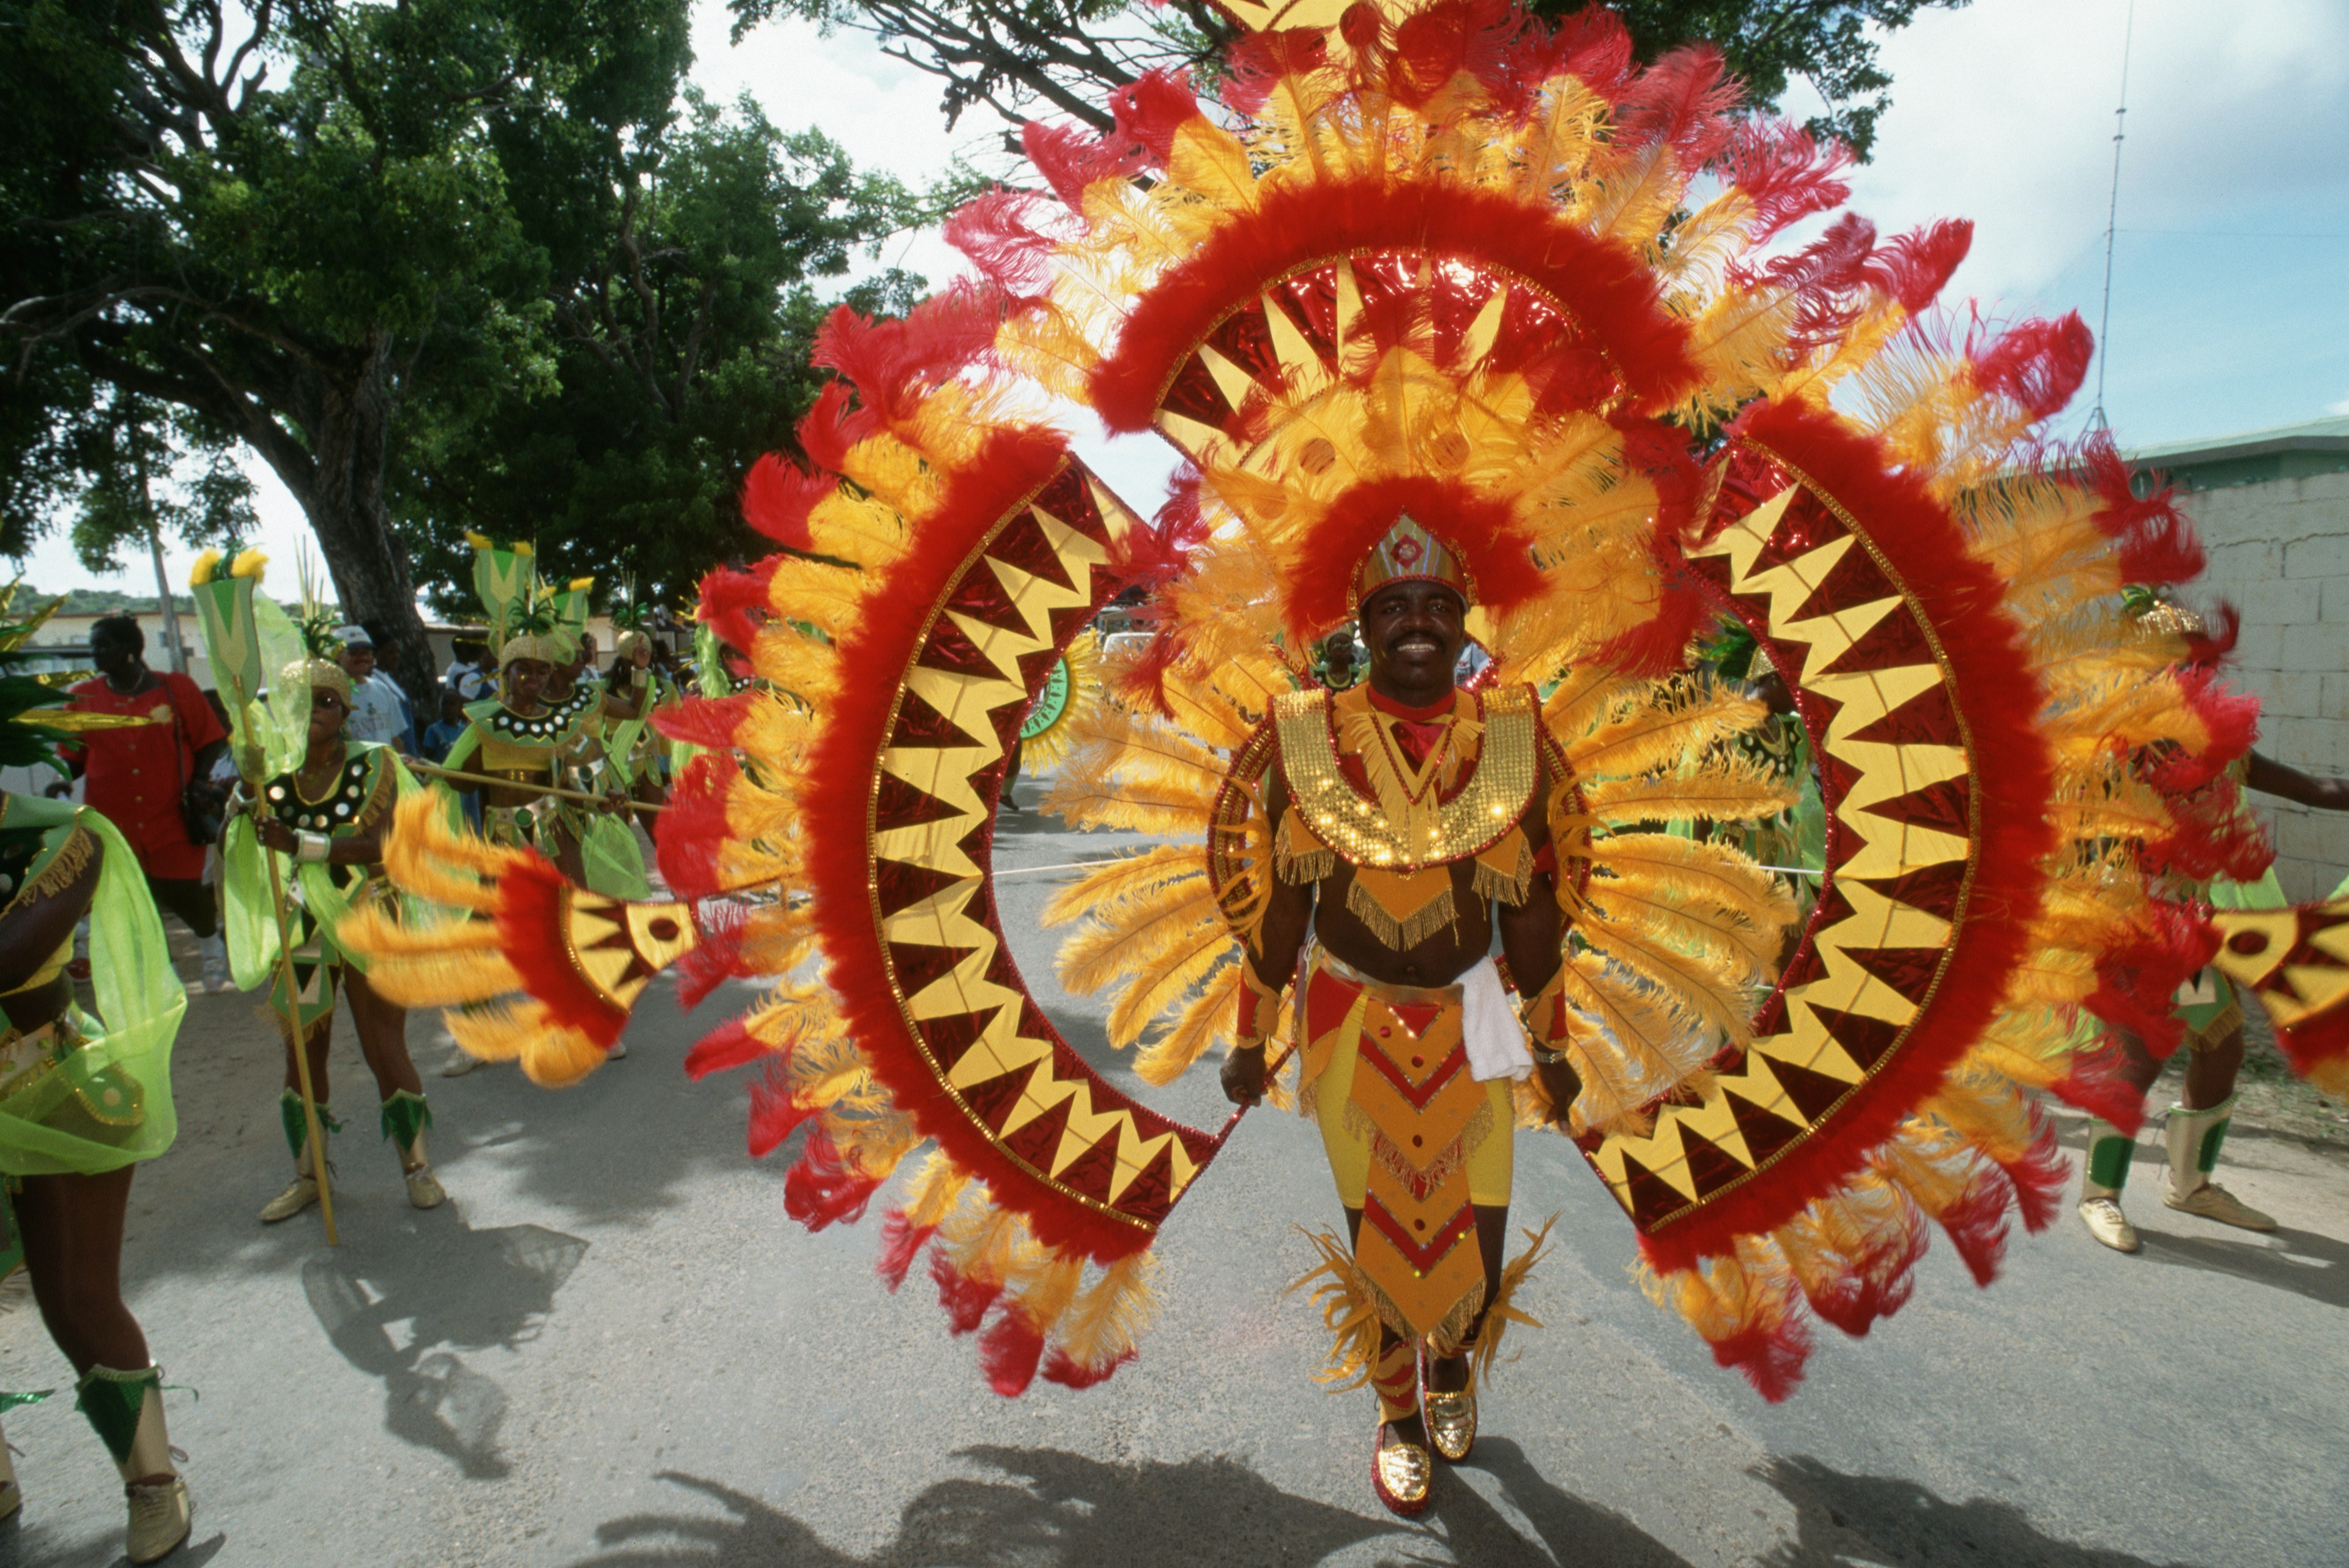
column 1445, row 261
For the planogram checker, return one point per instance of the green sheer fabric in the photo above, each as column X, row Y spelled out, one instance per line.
column 106, row 1101
column 611, row 859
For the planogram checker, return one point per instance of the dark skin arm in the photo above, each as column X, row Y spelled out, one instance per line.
column 2270, row 777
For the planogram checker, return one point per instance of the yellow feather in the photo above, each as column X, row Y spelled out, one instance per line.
column 1737, row 789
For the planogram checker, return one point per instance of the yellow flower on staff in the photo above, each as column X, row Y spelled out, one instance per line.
column 249, row 564
column 580, row 585
column 525, row 548
column 478, row 541
column 206, row 566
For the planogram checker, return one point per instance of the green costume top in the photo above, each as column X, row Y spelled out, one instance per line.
column 362, row 795
column 87, row 1092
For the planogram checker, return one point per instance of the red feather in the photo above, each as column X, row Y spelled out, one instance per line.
column 1771, row 1358
column 2318, row 1047
column 1594, row 46
column 1684, row 101
column 1914, row 268
column 1009, row 1352
column 2157, row 543
column 894, row 362
column 715, row 958
column 823, row 1186
column 901, row 1242
column 2040, row 1176
column 964, row 1299
column 693, row 826
column 1059, row 1368
column 1784, row 173
column 2096, row 1084
column 1255, row 63
column 1976, row 1223
column 1009, row 236
column 1437, row 43
column 833, row 426
column 706, row 721
column 2038, row 364
column 1875, row 1284
column 734, row 601
column 1151, row 108
column 723, row 1049
column 1318, row 579
column 1071, row 157
column 775, row 1114
column 777, row 497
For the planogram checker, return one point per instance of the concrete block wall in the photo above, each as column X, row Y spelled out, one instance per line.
column 2280, row 550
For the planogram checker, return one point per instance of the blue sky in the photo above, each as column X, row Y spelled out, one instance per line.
column 2231, row 296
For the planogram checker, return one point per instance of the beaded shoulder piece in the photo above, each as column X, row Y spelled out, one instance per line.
column 1488, row 803
column 353, row 803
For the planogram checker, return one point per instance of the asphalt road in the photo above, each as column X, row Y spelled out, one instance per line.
column 611, row 1348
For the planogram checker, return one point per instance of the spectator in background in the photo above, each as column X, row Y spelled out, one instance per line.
column 473, row 674
column 151, row 779
column 380, row 711
column 446, row 730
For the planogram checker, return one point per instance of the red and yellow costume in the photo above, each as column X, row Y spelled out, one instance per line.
column 1444, row 262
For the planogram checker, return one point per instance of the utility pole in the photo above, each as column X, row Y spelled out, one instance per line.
column 2112, row 224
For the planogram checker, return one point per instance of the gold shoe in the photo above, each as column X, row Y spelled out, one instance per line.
column 2107, row 1224
column 1451, row 1422
column 160, row 1518
column 1400, row 1473
column 424, row 1188
column 299, row 1194
column 2212, row 1201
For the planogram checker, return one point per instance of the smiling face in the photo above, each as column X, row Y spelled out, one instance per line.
column 1415, row 631
column 327, row 711
column 358, row 659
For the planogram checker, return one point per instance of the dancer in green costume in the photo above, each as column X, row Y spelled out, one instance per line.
column 2196, row 1126
column 84, row 1097
column 327, row 815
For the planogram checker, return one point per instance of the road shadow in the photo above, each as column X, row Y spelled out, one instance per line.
column 1569, row 1531
column 24, row 1542
column 2300, row 1261
column 457, row 1290
column 1840, row 1520
column 1051, row 1510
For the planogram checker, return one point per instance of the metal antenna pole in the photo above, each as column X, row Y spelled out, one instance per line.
column 2112, row 223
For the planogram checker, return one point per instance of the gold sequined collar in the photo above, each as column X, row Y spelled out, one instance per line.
column 1364, row 832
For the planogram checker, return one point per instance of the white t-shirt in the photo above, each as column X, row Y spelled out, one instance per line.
column 376, row 712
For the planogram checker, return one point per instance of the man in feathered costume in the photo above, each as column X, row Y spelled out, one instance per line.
column 1409, row 820
column 1435, row 261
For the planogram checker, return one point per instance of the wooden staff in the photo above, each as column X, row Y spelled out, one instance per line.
column 294, row 1031
column 578, row 794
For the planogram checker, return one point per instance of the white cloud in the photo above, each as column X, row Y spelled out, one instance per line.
column 2002, row 112
column 2340, row 408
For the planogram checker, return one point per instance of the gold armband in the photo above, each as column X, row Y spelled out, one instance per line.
column 1259, row 1008
column 1547, row 1019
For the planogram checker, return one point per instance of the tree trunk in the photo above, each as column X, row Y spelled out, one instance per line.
column 349, row 423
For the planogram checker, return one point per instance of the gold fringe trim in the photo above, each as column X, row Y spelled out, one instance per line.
column 2214, row 1034
column 1503, row 1311
column 64, row 866
column 1421, row 1180
column 1404, row 934
column 1353, row 1308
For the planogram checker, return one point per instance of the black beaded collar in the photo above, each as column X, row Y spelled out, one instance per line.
column 339, row 809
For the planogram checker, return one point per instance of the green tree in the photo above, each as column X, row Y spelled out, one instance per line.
column 294, row 220
column 680, row 306
column 1023, row 58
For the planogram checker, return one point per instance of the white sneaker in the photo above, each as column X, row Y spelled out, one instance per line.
column 160, row 1518
column 2107, row 1224
column 619, row 1049
column 2212, row 1201
column 463, row 1063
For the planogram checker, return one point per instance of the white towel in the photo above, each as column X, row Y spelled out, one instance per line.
column 1489, row 1027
